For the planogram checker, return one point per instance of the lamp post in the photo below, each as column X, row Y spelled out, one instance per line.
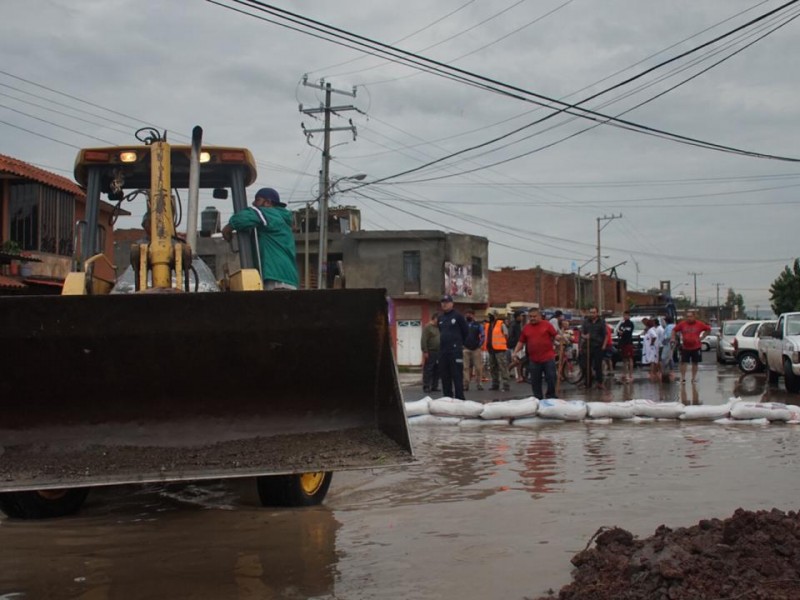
column 322, row 217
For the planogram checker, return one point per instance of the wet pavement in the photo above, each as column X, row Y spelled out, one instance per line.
column 495, row 512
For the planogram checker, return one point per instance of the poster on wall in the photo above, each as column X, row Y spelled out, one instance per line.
column 458, row 280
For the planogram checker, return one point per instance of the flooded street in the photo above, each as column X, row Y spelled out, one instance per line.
column 490, row 512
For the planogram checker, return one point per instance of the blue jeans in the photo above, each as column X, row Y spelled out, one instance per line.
column 548, row 369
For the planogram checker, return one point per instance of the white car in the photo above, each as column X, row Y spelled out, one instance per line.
column 745, row 344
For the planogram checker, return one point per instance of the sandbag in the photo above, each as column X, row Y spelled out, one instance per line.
column 510, row 409
column 795, row 412
column 565, row 410
column 730, row 421
column 532, row 422
column 481, row 422
column 706, row 412
column 418, row 407
column 657, row 410
column 453, row 407
column 772, row 411
column 433, row 420
column 609, row 410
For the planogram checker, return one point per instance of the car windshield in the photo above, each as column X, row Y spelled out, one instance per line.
column 731, row 327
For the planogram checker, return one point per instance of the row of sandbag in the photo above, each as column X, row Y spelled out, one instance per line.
column 530, row 411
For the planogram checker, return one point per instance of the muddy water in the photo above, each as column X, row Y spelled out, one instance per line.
column 489, row 513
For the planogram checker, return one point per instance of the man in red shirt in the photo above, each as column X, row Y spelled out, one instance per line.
column 691, row 331
column 537, row 336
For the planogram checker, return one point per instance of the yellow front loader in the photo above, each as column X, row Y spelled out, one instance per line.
column 172, row 382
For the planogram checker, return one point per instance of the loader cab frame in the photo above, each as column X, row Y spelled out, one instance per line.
column 121, row 171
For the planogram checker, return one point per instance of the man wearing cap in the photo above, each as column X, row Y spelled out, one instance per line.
column 453, row 331
column 276, row 248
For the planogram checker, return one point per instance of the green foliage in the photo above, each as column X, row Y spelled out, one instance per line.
column 11, row 247
column 735, row 301
column 785, row 290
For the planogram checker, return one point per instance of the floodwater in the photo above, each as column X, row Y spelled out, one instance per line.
column 491, row 512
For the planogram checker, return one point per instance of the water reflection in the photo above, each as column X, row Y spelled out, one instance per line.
column 171, row 550
column 686, row 399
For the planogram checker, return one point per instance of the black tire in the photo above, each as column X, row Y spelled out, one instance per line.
column 748, row 362
column 790, row 380
column 705, row 346
column 773, row 377
column 44, row 504
column 303, row 489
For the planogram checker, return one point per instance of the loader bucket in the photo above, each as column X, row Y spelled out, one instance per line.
column 99, row 390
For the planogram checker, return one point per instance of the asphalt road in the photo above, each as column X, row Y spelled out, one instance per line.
column 483, row 513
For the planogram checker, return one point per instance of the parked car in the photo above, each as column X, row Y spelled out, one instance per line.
column 725, row 351
column 711, row 340
column 745, row 344
column 780, row 352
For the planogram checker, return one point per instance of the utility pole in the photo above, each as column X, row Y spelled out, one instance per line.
column 718, row 286
column 325, row 187
column 695, row 289
column 599, row 280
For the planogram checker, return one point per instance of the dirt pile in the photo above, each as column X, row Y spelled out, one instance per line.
column 749, row 556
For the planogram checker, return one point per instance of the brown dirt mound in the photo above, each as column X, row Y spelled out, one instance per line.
column 750, row 556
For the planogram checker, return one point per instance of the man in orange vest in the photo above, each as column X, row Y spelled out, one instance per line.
column 496, row 344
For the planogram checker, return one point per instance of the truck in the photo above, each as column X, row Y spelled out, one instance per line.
column 780, row 352
column 178, row 381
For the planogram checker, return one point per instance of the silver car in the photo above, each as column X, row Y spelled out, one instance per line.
column 711, row 340
column 726, row 353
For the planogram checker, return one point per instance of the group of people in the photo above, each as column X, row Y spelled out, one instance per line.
column 532, row 348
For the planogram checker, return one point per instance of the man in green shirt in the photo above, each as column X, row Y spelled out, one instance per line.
column 276, row 248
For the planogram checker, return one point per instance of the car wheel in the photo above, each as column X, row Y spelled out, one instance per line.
column 705, row 347
column 790, row 380
column 749, row 363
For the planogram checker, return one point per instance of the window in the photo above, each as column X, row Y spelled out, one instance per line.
column 477, row 266
column 41, row 218
column 411, row 271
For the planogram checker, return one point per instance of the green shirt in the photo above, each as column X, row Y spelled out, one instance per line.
column 276, row 248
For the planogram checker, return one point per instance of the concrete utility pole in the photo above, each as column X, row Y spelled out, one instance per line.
column 693, row 274
column 324, row 194
column 599, row 280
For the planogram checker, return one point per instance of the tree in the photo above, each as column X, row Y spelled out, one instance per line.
column 785, row 290
column 734, row 303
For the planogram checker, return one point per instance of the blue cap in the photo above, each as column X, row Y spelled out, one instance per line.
column 447, row 298
column 270, row 195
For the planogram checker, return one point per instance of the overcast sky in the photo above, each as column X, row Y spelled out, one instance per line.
column 81, row 73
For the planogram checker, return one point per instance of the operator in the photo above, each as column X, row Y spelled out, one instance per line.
column 276, row 248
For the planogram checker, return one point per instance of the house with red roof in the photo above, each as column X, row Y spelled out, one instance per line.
column 40, row 213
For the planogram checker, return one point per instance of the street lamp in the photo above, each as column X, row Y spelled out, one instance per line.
column 579, row 294
column 322, row 217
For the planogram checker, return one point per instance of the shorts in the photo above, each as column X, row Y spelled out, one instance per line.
column 626, row 350
column 694, row 356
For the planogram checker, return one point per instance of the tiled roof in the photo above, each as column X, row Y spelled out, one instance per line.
column 28, row 171
column 11, row 283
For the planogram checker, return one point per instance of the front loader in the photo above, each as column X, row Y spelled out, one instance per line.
column 176, row 381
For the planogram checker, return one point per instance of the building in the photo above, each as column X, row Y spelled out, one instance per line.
column 42, row 212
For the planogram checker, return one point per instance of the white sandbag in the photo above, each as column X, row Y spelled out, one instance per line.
column 657, row 410
column 795, row 412
column 510, row 409
column 706, row 412
column 565, row 410
column 481, row 422
column 600, row 421
column 730, row 421
column 418, row 407
column 433, row 420
column 453, row 407
column 772, row 411
column 638, row 420
column 609, row 410
column 532, row 422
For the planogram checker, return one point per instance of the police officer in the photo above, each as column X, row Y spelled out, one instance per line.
column 453, row 331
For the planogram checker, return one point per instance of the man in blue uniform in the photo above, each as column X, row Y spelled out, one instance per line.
column 453, row 331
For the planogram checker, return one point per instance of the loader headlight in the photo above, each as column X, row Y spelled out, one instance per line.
column 205, row 157
column 127, row 157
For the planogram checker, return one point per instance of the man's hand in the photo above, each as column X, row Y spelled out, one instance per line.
column 227, row 233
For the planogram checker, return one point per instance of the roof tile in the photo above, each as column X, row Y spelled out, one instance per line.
column 23, row 169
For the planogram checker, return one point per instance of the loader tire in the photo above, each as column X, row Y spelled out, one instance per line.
column 43, row 504
column 302, row 489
